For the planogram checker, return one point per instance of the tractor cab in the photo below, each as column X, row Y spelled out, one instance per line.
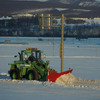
column 32, row 54
column 29, row 55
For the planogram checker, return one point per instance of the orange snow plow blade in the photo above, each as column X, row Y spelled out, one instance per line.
column 53, row 75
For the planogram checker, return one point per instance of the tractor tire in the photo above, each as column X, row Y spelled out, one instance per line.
column 14, row 74
column 33, row 75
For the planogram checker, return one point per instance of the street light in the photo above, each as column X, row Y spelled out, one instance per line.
column 45, row 22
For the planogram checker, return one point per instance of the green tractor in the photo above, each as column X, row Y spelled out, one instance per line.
column 33, row 67
column 29, row 66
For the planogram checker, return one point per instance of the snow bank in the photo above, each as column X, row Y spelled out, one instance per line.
column 70, row 80
column 4, row 74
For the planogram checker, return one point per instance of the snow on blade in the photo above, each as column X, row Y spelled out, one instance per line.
column 66, row 79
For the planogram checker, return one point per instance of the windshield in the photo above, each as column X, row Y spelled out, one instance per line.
column 34, row 55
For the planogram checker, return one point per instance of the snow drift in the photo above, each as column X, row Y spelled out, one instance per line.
column 67, row 80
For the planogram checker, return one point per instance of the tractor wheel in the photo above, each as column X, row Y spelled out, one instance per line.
column 14, row 74
column 32, row 75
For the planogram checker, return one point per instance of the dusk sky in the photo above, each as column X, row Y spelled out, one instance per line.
column 38, row 0
column 33, row 0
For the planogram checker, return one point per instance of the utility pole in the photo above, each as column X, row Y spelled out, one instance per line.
column 62, row 39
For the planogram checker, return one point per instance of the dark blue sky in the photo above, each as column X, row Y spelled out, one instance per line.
column 30, row 0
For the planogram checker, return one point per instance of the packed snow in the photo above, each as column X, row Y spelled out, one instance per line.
column 71, row 80
column 82, row 84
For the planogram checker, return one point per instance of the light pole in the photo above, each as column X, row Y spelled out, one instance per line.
column 62, row 39
column 45, row 22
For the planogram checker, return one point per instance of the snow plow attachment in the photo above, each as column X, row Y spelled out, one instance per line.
column 53, row 75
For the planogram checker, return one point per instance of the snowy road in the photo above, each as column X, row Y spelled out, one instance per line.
column 83, row 58
column 23, row 89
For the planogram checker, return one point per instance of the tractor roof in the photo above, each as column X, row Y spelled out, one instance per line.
column 30, row 50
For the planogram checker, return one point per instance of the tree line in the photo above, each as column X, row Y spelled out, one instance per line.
column 29, row 26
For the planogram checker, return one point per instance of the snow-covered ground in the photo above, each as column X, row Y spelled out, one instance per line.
column 83, row 84
column 89, row 20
